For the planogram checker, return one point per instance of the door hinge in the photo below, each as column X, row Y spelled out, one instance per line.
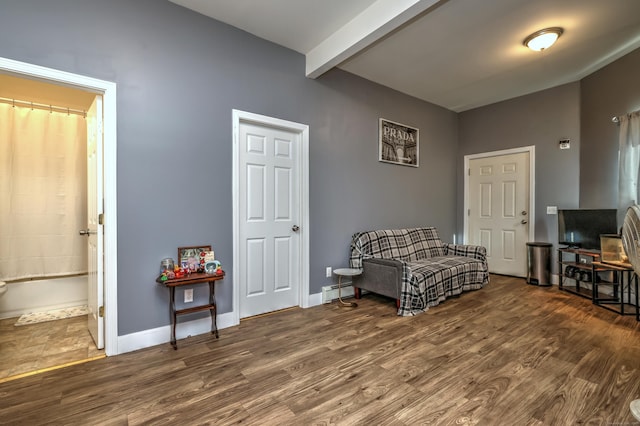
column 101, row 219
column 469, row 212
column 101, row 311
column 469, row 171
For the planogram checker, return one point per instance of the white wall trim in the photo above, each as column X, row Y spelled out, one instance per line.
column 108, row 91
column 532, row 184
column 161, row 335
column 303, row 159
column 315, row 299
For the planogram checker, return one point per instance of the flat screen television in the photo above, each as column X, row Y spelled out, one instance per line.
column 582, row 227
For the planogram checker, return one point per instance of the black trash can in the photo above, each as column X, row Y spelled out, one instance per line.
column 539, row 263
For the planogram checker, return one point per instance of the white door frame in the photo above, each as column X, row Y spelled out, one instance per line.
column 532, row 185
column 108, row 91
column 303, row 160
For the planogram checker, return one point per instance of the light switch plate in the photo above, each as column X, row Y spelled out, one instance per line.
column 552, row 209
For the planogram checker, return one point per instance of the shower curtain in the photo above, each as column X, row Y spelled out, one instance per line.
column 629, row 162
column 42, row 193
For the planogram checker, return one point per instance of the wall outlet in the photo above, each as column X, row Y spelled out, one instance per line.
column 328, row 272
column 552, row 209
column 188, row 295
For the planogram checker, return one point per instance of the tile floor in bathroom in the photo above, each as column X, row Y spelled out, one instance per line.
column 47, row 344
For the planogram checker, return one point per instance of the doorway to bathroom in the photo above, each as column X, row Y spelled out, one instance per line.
column 53, row 88
column 43, row 175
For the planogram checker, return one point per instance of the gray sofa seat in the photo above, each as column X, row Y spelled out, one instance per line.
column 415, row 267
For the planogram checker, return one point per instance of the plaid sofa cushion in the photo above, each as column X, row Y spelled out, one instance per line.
column 432, row 270
column 399, row 244
column 429, row 283
column 426, row 243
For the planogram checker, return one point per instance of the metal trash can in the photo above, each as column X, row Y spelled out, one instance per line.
column 539, row 263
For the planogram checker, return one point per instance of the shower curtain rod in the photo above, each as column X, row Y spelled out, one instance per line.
column 50, row 108
column 616, row 119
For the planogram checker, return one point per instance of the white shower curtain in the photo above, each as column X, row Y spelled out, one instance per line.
column 42, row 193
column 629, row 164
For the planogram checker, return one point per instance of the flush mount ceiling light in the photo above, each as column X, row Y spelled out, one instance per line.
column 543, row 39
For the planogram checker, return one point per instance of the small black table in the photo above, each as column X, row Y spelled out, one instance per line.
column 616, row 302
column 191, row 279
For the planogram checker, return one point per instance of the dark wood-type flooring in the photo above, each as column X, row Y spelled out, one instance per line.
column 509, row 354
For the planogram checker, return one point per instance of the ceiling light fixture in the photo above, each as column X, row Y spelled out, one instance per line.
column 543, row 39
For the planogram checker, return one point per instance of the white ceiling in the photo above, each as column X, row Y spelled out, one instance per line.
column 460, row 54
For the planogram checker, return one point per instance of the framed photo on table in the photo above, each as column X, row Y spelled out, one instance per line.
column 193, row 257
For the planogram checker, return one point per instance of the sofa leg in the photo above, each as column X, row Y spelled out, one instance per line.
column 398, row 303
column 356, row 292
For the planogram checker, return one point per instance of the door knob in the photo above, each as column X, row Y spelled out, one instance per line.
column 295, row 228
column 524, row 222
column 524, row 213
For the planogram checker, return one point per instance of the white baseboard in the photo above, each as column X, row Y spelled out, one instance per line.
column 157, row 336
column 330, row 292
column 160, row 335
column 315, row 299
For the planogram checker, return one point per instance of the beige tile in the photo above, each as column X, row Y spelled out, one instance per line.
column 33, row 347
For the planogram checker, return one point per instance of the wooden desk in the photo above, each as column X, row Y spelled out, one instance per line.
column 197, row 278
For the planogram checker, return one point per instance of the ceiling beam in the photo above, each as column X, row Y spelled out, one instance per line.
column 375, row 22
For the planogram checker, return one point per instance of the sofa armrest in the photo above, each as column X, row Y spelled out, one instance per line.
column 381, row 276
column 467, row 250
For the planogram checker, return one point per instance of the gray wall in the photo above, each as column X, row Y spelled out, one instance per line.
column 612, row 91
column 540, row 119
column 179, row 75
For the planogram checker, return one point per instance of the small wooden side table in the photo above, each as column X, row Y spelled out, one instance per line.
column 191, row 279
column 345, row 272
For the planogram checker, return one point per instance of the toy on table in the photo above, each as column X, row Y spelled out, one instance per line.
column 179, row 272
column 203, row 262
column 213, row 267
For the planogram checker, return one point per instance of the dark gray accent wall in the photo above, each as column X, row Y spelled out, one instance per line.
column 179, row 75
column 540, row 119
column 611, row 91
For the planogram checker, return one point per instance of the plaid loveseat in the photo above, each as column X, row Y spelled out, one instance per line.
column 415, row 267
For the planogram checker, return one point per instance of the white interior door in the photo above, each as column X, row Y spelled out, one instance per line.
column 94, row 227
column 499, row 216
column 269, row 179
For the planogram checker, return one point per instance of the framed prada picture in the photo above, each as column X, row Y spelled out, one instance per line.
column 398, row 143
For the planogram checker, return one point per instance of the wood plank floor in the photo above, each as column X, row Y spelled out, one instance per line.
column 509, row 354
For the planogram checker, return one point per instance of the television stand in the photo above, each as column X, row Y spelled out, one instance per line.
column 576, row 274
column 570, row 246
column 581, row 272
